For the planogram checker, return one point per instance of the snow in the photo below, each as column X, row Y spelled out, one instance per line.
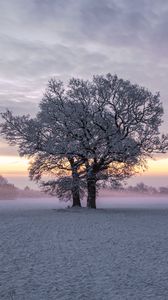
column 31, row 203
column 47, row 252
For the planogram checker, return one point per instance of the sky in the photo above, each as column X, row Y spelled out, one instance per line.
column 79, row 38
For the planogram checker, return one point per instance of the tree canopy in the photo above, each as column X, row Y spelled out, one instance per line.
column 88, row 132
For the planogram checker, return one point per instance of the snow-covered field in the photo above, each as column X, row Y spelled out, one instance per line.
column 51, row 253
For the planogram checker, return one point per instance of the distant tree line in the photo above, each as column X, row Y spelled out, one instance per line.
column 144, row 189
column 7, row 190
column 28, row 192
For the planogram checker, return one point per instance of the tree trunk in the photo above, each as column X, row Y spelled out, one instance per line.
column 91, row 186
column 75, row 188
column 76, row 198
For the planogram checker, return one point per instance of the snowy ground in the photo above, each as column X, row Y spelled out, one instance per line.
column 107, row 254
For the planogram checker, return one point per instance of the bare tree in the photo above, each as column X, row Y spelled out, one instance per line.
column 119, row 127
column 45, row 147
column 95, row 130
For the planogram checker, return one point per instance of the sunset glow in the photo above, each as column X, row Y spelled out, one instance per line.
column 157, row 167
column 15, row 166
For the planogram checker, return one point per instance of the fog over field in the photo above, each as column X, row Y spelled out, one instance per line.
column 108, row 200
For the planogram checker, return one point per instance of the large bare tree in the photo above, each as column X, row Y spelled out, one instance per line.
column 93, row 130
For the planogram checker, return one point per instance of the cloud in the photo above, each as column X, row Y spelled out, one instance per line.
column 41, row 39
column 65, row 38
